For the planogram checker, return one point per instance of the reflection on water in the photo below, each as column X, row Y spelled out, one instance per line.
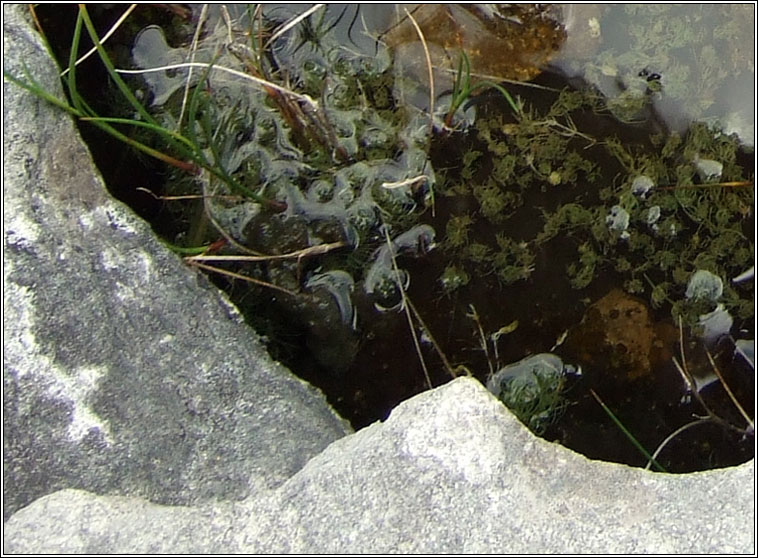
column 693, row 61
column 684, row 62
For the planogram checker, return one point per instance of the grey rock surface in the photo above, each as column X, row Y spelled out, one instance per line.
column 124, row 371
column 450, row 471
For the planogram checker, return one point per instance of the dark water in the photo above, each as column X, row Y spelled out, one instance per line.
column 386, row 367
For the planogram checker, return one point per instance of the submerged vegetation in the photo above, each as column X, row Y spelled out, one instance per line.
column 344, row 202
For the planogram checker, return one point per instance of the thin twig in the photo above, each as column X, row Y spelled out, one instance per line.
column 228, row 22
column 298, row 254
column 240, row 276
column 681, row 352
column 428, row 66
column 193, row 53
column 228, row 197
column 690, row 381
column 406, row 308
column 443, row 357
column 736, row 184
column 406, row 182
column 729, row 391
column 209, row 214
column 671, row 436
column 110, row 32
column 290, row 24
column 482, row 337
column 262, row 82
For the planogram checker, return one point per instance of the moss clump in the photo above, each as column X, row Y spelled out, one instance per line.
column 641, row 210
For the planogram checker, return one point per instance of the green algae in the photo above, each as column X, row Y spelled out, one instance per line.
column 681, row 224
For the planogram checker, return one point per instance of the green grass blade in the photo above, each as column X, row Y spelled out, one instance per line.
column 123, row 88
column 35, row 88
column 628, row 434
column 189, row 251
column 503, row 91
column 138, row 123
column 71, row 77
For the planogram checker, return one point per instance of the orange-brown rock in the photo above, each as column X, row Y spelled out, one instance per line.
column 511, row 42
column 617, row 336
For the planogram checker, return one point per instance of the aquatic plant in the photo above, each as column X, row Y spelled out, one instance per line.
column 532, row 389
column 188, row 147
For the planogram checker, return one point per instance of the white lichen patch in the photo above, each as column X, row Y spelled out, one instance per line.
column 38, row 371
column 76, row 388
column 167, row 338
column 18, row 339
column 138, row 263
column 110, row 216
column 109, row 259
column 20, row 231
column 120, row 218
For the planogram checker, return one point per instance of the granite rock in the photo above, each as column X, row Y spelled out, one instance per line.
column 450, row 471
column 124, row 371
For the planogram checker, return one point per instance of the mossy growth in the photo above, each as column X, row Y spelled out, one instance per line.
column 539, row 403
column 643, row 211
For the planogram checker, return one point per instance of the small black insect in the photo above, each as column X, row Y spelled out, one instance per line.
column 648, row 75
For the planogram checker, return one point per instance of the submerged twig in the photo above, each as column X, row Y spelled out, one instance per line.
column 474, row 315
column 317, row 250
column 110, row 32
column 240, row 276
column 406, row 308
column 735, row 184
column 209, row 215
column 445, row 362
column 428, row 66
column 670, row 437
column 692, row 388
column 729, row 391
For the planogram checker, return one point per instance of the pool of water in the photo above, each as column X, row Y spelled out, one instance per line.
column 569, row 216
